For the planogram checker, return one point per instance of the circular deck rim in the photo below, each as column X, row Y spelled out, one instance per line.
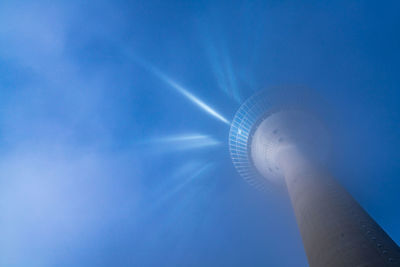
column 246, row 119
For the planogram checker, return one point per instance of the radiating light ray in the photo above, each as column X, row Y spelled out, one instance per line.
column 185, row 169
column 195, row 174
column 178, row 174
column 192, row 97
column 169, row 192
column 228, row 75
column 183, row 138
column 182, row 142
column 191, row 200
column 195, row 198
column 195, row 100
column 223, row 70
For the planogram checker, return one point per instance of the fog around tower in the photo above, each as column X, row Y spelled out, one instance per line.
column 102, row 163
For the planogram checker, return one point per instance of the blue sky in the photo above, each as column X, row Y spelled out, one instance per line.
column 113, row 141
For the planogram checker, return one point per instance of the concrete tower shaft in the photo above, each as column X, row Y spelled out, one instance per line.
column 335, row 229
column 289, row 147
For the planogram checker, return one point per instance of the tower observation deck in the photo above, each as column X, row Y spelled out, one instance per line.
column 289, row 146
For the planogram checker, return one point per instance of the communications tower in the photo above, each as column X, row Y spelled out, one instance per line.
column 289, row 146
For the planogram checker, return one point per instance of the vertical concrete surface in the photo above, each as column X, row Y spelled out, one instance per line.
column 336, row 231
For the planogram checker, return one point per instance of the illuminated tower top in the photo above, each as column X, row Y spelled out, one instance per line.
column 260, row 135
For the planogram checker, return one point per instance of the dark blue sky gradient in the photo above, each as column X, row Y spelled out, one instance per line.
column 95, row 169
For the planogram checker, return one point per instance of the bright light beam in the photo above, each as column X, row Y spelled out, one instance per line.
column 193, row 98
column 178, row 87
